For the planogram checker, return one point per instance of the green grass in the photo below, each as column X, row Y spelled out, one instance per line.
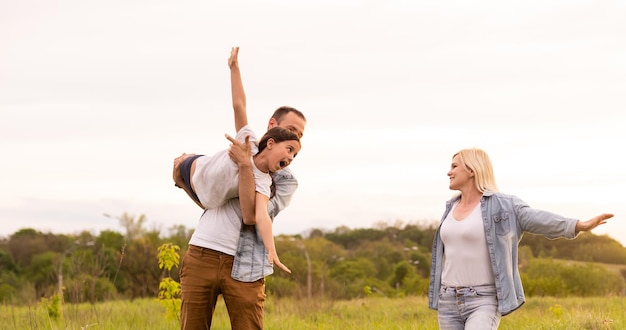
column 370, row 313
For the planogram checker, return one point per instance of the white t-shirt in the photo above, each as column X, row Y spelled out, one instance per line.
column 219, row 228
column 466, row 258
column 216, row 178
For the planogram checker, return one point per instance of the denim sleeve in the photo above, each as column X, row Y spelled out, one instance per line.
column 286, row 184
column 544, row 223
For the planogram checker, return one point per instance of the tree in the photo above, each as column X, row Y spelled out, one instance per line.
column 26, row 243
column 140, row 270
column 7, row 264
column 400, row 271
column 169, row 289
column 134, row 227
column 42, row 272
column 111, row 246
column 351, row 277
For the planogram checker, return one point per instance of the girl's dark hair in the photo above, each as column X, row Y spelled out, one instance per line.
column 278, row 134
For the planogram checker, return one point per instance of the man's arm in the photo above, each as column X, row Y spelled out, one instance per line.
column 236, row 87
column 286, row 185
column 239, row 153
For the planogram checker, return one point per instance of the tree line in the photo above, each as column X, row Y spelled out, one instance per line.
column 389, row 259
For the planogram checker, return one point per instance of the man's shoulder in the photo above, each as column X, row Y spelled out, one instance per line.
column 284, row 174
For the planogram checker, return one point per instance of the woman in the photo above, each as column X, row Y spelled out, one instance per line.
column 474, row 276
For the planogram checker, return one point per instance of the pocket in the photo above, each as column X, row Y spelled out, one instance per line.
column 443, row 293
column 488, row 291
column 502, row 222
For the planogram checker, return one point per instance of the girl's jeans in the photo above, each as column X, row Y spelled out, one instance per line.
column 474, row 307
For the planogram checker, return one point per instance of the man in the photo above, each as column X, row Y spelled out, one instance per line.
column 224, row 256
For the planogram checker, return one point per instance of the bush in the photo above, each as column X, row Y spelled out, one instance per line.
column 87, row 288
column 281, row 287
column 547, row 277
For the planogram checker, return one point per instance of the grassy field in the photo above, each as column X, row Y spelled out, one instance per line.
column 370, row 313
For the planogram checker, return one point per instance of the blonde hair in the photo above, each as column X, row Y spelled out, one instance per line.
column 477, row 161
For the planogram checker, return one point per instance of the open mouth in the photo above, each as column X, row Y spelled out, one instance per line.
column 283, row 164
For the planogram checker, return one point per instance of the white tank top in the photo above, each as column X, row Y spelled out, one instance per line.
column 465, row 255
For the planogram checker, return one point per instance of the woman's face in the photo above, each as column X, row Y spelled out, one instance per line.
column 459, row 175
column 281, row 154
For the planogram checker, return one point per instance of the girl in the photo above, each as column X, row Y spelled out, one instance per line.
column 213, row 180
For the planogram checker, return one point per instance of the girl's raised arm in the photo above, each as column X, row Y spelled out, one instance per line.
column 236, row 87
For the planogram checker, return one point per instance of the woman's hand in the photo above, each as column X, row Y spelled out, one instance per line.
column 593, row 222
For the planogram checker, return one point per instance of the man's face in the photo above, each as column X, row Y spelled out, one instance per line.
column 291, row 122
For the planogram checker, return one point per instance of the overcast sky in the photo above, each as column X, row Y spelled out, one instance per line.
column 98, row 97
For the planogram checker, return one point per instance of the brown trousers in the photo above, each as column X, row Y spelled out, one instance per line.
column 204, row 275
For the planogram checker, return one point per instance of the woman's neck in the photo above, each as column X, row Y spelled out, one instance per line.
column 470, row 197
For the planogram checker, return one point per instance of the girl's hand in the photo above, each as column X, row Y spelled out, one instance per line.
column 273, row 259
column 232, row 60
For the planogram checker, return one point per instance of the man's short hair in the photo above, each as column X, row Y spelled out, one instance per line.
column 282, row 111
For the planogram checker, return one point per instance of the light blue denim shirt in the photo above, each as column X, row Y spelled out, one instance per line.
column 505, row 219
column 251, row 263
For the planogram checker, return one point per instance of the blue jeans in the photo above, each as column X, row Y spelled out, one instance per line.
column 468, row 308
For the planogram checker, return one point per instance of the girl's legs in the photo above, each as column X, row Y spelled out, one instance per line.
column 182, row 177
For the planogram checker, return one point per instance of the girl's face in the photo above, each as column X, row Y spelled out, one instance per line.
column 281, row 154
column 459, row 175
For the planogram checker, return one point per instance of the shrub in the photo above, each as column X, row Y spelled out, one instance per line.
column 547, row 277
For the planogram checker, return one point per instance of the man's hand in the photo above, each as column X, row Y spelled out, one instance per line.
column 239, row 152
column 178, row 178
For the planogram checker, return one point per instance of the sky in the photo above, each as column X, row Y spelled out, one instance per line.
column 98, row 97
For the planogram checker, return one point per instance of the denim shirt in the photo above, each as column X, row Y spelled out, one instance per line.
column 251, row 262
column 505, row 219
